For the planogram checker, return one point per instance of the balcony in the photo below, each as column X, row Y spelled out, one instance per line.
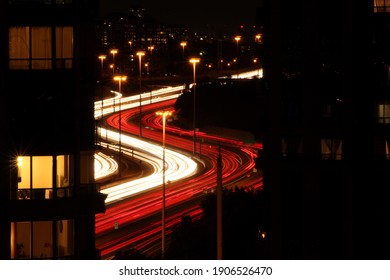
column 50, row 193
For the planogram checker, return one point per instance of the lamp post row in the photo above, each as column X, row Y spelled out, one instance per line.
column 164, row 115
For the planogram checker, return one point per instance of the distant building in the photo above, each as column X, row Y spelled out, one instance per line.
column 326, row 156
column 48, row 73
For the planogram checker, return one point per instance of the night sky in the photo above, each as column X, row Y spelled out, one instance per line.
column 197, row 15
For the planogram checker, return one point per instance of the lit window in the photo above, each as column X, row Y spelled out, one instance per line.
column 381, row 6
column 64, row 47
column 46, row 2
column 34, row 240
column 331, row 149
column 35, row 176
column 383, row 113
column 41, row 47
column 382, row 147
column 31, row 47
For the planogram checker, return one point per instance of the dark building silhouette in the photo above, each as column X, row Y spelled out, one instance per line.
column 326, row 138
column 48, row 73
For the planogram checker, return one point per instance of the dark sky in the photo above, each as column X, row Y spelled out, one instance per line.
column 194, row 14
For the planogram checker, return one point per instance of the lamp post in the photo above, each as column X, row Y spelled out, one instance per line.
column 183, row 44
column 194, row 61
column 140, row 54
column 164, row 115
column 237, row 38
column 102, row 58
column 151, row 48
column 113, row 52
column 120, row 79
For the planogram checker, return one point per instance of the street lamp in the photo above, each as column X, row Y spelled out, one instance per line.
column 113, row 52
column 102, row 58
column 164, row 115
column 151, row 48
column 140, row 54
column 194, row 61
column 120, row 79
column 183, row 44
column 237, row 38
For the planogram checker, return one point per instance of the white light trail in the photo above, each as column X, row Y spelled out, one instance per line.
column 258, row 73
column 113, row 104
column 178, row 166
column 104, row 165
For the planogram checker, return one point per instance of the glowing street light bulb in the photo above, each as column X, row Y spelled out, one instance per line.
column 183, row 44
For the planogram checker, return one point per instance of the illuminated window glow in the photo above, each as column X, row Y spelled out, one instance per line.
column 331, row 149
column 383, row 113
column 35, row 176
column 34, row 240
column 31, row 47
column 381, row 6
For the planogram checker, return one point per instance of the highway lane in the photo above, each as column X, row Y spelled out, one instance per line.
column 237, row 164
column 183, row 196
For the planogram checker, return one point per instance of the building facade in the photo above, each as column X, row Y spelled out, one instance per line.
column 48, row 74
column 326, row 138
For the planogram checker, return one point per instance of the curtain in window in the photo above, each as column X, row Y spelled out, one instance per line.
column 383, row 113
column 19, row 47
column 41, row 47
column 331, row 149
column 64, row 47
column 381, row 6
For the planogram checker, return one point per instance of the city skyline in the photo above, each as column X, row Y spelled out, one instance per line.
column 199, row 16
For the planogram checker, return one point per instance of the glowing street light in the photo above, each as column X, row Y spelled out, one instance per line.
column 120, row 79
column 164, row 115
column 258, row 38
column 140, row 54
column 151, row 48
column 113, row 52
column 102, row 58
column 183, row 44
column 237, row 38
column 194, row 61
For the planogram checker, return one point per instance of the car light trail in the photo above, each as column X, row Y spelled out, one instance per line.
column 104, row 165
column 111, row 105
column 237, row 165
column 178, row 166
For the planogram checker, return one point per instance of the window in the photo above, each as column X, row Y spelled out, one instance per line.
column 35, row 239
column 383, row 113
column 381, row 6
column 30, row 1
column 64, row 47
column 46, row 2
column 35, row 176
column 331, row 149
column 291, row 147
column 31, row 47
column 382, row 147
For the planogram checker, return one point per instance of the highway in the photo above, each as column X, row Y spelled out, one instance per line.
column 133, row 215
